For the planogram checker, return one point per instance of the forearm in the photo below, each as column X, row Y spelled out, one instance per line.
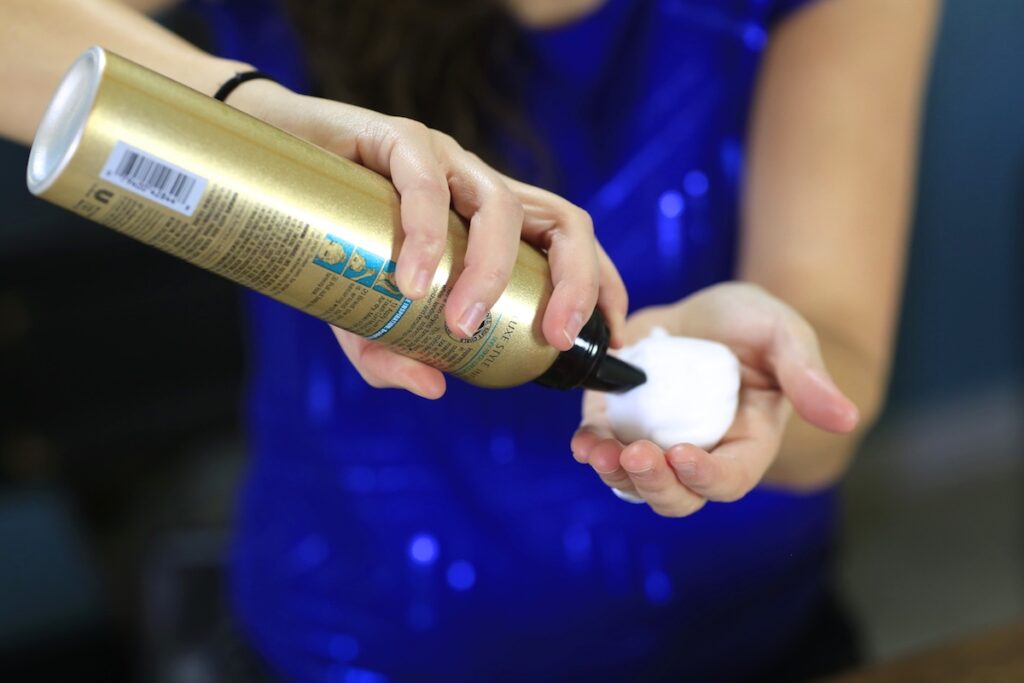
column 829, row 197
column 40, row 38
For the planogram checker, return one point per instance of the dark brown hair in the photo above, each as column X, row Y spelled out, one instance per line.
column 451, row 64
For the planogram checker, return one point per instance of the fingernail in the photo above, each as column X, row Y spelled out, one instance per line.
column 421, row 283
column 686, row 469
column 471, row 319
column 573, row 327
column 641, row 467
column 848, row 412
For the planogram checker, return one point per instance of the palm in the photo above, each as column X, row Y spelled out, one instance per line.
column 780, row 366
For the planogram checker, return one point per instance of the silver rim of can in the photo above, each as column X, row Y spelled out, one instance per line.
column 60, row 130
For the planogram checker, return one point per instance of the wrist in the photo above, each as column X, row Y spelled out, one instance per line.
column 257, row 97
column 202, row 71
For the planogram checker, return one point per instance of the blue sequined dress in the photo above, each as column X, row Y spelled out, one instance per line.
column 388, row 538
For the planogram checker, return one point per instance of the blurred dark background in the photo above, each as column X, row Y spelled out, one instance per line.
column 121, row 376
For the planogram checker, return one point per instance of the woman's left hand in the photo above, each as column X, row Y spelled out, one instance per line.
column 781, row 369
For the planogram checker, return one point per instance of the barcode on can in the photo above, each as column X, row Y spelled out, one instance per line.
column 151, row 177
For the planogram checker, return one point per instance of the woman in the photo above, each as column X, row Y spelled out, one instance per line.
column 455, row 540
column 386, row 538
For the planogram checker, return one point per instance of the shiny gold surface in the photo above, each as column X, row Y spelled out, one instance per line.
column 263, row 221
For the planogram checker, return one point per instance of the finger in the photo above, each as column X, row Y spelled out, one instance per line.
column 604, row 459
column 567, row 233
column 797, row 362
column 594, row 426
column 382, row 368
column 655, row 481
column 738, row 464
column 612, row 298
column 419, row 173
column 586, row 438
column 575, row 273
column 494, row 236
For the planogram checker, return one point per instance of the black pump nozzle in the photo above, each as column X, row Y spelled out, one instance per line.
column 615, row 376
column 588, row 365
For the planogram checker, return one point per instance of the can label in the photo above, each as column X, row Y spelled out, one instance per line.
column 251, row 243
column 256, row 246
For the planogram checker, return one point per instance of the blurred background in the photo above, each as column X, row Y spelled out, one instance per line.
column 934, row 538
column 121, row 376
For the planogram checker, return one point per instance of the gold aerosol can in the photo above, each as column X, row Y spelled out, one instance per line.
column 169, row 166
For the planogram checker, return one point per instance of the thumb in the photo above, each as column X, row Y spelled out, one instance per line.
column 382, row 368
column 806, row 382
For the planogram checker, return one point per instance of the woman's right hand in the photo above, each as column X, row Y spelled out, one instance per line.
column 431, row 173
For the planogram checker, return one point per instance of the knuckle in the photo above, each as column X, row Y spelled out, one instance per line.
column 434, row 184
column 494, row 276
column 579, row 219
column 444, row 142
column 473, row 157
column 554, row 237
column 428, row 242
column 429, row 254
column 405, row 126
column 512, row 209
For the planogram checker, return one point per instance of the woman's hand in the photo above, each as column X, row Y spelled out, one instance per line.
column 781, row 366
column 432, row 172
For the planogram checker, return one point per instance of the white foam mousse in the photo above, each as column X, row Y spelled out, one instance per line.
column 690, row 396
